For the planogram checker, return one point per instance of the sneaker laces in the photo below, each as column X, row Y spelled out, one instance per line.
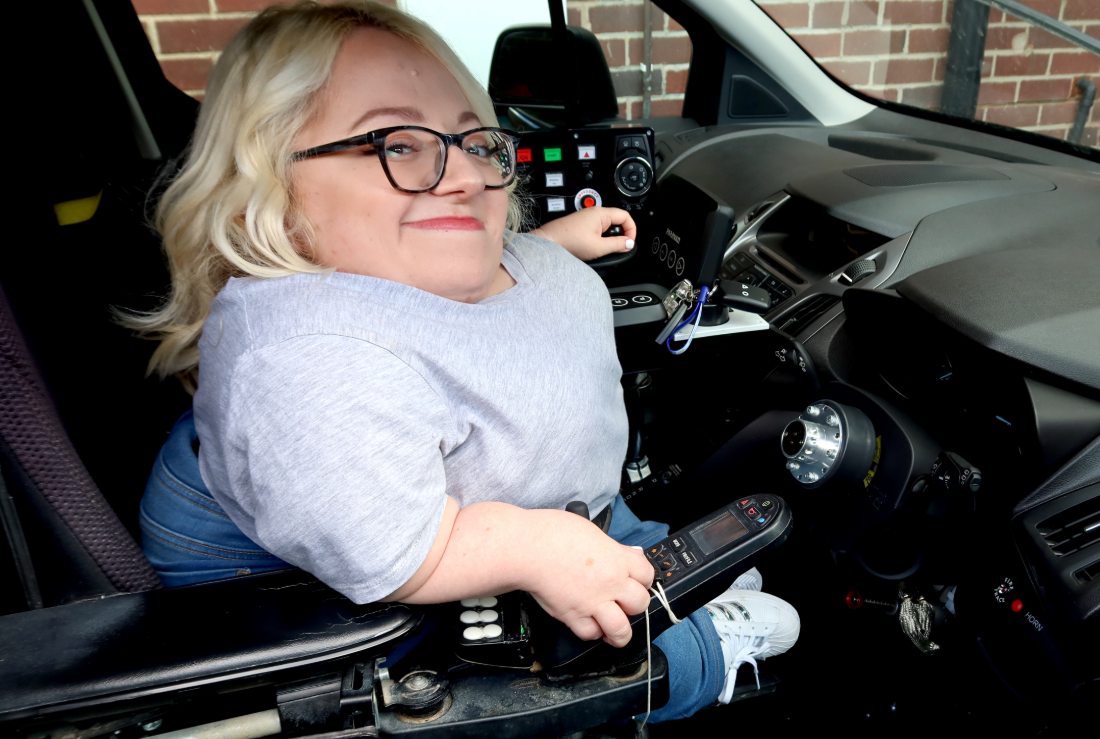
column 739, row 645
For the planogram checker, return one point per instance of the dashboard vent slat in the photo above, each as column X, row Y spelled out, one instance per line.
column 807, row 313
column 1073, row 529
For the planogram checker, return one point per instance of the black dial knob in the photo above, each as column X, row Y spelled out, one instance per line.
column 633, row 176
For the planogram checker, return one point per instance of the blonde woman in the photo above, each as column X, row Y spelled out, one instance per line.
column 395, row 392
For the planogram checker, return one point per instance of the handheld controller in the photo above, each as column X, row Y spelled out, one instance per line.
column 693, row 565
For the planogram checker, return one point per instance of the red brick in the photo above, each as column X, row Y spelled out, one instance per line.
column 574, row 18
column 992, row 93
column 676, row 82
column 615, row 52
column 903, row 71
column 1093, row 31
column 1045, row 89
column 928, row 39
column 1059, row 113
column 1040, row 39
column 1079, row 10
column 1001, row 38
column 187, row 74
column 851, row 73
column 828, row 15
column 923, row 97
column 236, row 6
column 823, row 45
column 899, row 13
column 623, row 110
column 614, row 18
column 671, row 50
column 893, row 95
column 673, row 25
column 198, row 35
column 1013, row 115
column 168, row 7
column 662, row 108
column 863, row 43
column 862, row 13
column 1075, row 64
column 1015, row 65
column 789, row 16
column 635, row 111
column 1046, row 7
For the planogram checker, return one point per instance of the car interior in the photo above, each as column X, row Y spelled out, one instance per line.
column 860, row 347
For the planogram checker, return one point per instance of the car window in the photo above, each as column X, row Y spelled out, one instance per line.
column 902, row 51
column 188, row 35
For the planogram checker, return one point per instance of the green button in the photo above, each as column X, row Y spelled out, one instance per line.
column 551, row 155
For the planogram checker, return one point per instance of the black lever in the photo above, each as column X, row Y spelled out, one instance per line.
column 613, row 231
column 579, row 507
column 744, row 297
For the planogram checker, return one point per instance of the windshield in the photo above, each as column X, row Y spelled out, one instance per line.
column 964, row 58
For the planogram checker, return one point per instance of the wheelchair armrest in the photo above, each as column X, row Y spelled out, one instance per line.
column 142, row 644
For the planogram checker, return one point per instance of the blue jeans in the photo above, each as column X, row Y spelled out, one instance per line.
column 185, row 534
column 189, row 539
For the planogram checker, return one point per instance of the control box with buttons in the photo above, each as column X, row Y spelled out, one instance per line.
column 693, row 565
column 741, row 268
column 494, row 630
column 566, row 170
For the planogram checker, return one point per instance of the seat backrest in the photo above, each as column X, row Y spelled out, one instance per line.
column 78, row 546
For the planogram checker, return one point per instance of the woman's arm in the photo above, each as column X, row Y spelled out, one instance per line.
column 580, row 233
column 581, row 576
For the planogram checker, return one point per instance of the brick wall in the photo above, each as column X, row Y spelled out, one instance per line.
column 897, row 50
column 188, row 35
column 892, row 49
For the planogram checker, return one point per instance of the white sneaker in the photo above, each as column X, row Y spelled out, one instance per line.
column 749, row 580
column 751, row 626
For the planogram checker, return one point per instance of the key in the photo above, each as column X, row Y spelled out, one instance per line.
column 673, row 322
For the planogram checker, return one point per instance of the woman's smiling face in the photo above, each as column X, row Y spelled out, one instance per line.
column 447, row 241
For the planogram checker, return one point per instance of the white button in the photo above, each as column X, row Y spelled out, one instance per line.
column 488, row 602
column 618, row 302
column 469, row 617
column 469, row 602
column 487, row 617
column 473, row 633
column 492, row 631
column 642, row 299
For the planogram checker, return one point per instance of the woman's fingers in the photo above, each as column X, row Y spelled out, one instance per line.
column 615, row 624
column 586, row 628
column 618, row 217
column 639, row 568
column 635, row 599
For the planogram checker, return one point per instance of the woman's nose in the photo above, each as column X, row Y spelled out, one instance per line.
column 460, row 173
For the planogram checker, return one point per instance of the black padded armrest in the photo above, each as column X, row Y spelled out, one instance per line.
column 139, row 644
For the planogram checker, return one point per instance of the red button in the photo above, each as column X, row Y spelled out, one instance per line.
column 751, row 511
column 1017, row 605
column 523, row 155
column 744, row 503
column 588, row 202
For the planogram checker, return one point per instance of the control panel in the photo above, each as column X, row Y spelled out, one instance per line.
column 741, row 268
column 566, row 170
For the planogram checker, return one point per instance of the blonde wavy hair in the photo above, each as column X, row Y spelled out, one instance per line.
column 231, row 211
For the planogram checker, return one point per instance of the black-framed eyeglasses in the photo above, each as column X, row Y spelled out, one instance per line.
column 414, row 157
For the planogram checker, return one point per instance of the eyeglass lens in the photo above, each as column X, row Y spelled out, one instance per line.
column 415, row 158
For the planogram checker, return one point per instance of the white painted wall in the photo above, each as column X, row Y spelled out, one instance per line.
column 471, row 27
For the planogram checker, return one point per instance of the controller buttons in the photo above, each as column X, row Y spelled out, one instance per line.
column 474, row 633
column 744, row 502
column 766, row 503
column 469, row 617
column 666, row 563
column 753, row 512
column 492, row 631
column 688, row 558
column 678, row 544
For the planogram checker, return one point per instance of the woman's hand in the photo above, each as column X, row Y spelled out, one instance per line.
column 594, row 582
column 580, row 233
column 580, row 575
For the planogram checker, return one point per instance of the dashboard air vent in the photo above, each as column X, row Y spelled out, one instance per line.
column 1088, row 574
column 1073, row 529
column 807, row 313
column 906, row 175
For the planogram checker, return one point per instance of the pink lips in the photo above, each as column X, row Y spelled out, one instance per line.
column 449, row 223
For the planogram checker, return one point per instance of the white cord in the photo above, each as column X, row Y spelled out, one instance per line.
column 659, row 592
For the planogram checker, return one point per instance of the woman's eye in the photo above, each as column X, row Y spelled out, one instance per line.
column 479, row 150
column 398, row 149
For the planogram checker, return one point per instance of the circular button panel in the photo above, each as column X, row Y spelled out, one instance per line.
column 633, row 176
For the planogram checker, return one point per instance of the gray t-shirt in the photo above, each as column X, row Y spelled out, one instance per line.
column 336, row 412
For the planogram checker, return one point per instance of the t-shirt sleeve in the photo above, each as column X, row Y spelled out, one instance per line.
column 334, row 450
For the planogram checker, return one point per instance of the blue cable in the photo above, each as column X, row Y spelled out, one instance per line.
column 696, row 315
